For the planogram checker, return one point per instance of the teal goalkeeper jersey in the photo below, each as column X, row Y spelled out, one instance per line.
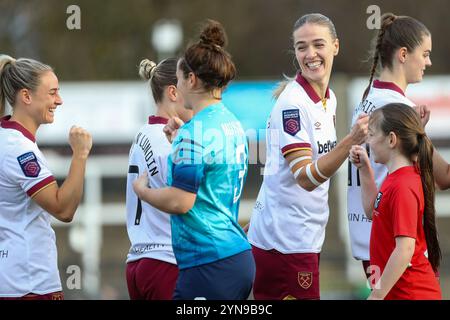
column 210, row 158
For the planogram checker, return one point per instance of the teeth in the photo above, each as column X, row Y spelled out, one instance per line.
column 314, row 65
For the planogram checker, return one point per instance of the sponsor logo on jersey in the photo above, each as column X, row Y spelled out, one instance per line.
column 291, row 121
column 326, row 147
column 29, row 164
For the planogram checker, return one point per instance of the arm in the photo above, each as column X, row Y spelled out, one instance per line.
column 63, row 202
column 441, row 171
column 171, row 128
column 171, row 200
column 395, row 267
column 310, row 174
column 359, row 157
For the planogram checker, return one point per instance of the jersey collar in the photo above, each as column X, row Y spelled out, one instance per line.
column 309, row 89
column 157, row 120
column 7, row 124
column 387, row 85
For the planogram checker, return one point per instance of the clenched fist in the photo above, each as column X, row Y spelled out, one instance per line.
column 171, row 128
column 360, row 129
column 80, row 141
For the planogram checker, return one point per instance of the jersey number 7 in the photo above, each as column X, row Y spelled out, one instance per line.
column 137, row 220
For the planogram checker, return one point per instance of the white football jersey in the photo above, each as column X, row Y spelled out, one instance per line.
column 286, row 217
column 148, row 228
column 28, row 256
column 380, row 94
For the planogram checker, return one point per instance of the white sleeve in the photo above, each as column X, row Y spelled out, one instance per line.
column 28, row 168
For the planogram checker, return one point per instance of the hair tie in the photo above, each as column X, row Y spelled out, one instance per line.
column 152, row 71
column 420, row 136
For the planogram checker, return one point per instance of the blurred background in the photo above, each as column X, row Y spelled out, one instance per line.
column 95, row 48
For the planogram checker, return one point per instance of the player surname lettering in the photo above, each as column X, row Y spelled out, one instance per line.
column 144, row 143
column 3, row 254
column 358, row 217
column 366, row 106
column 193, row 310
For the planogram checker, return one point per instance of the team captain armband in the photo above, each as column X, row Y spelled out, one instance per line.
column 295, row 147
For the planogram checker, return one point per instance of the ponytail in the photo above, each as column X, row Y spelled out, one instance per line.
column 425, row 161
column 387, row 20
column 281, row 86
column 5, row 62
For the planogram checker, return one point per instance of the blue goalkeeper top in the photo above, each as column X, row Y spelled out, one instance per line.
column 209, row 158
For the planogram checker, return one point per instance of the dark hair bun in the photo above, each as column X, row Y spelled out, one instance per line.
column 213, row 34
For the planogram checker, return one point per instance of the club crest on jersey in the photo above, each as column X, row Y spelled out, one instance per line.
column 29, row 164
column 305, row 279
column 377, row 200
column 291, row 121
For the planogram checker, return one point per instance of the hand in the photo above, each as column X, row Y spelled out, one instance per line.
column 424, row 114
column 80, row 141
column 141, row 183
column 171, row 128
column 246, row 227
column 359, row 157
column 360, row 129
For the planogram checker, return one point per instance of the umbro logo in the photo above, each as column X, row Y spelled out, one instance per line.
column 317, row 125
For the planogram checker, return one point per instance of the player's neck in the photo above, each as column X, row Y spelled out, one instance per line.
column 25, row 121
column 398, row 161
column 395, row 77
column 164, row 112
column 202, row 101
column 320, row 87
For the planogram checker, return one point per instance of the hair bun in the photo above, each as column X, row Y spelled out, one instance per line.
column 147, row 69
column 213, row 34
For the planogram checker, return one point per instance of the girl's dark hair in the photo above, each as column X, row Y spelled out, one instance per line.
column 207, row 58
column 159, row 75
column 395, row 32
column 404, row 121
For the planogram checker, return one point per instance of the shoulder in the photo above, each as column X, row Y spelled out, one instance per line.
column 293, row 94
column 381, row 97
column 406, row 186
column 292, row 99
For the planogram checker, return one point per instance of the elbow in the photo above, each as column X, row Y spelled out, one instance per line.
column 65, row 216
column 443, row 185
column 65, row 219
column 180, row 207
column 306, row 185
column 410, row 251
column 368, row 213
